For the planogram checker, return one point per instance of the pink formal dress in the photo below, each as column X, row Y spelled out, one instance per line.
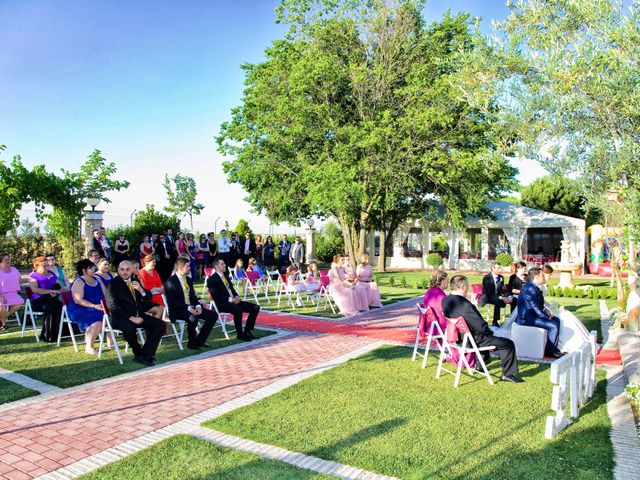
column 342, row 292
column 362, row 298
column 365, row 279
column 10, row 286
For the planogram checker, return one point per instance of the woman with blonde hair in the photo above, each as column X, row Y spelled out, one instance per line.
column 433, row 297
column 366, row 280
column 349, row 274
column 342, row 291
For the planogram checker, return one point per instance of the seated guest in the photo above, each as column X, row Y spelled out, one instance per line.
column 239, row 268
column 516, row 281
column 183, row 304
column 227, row 300
column 104, row 274
column 295, row 283
column 342, row 291
column 150, row 279
column 10, row 279
column 312, row 279
column 531, row 311
column 45, row 287
column 94, row 256
column 365, row 279
column 548, row 271
column 59, row 271
column 148, row 306
column 457, row 305
column 124, row 301
column 85, row 309
column 492, row 285
column 349, row 274
column 433, row 297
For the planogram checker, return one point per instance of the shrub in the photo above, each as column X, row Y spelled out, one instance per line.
column 403, row 282
column 392, row 281
column 24, row 248
column 329, row 242
column 434, row 260
column 504, row 259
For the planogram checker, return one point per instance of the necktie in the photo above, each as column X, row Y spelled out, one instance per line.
column 185, row 290
column 226, row 284
column 130, row 285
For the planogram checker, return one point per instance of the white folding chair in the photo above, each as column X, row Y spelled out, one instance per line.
column 325, row 293
column 109, row 330
column 223, row 318
column 284, row 289
column 457, row 326
column 181, row 324
column 435, row 333
column 208, row 271
column 65, row 320
column 16, row 319
column 28, row 312
column 252, row 283
column 271, row 276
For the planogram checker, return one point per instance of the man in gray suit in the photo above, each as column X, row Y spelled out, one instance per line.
column 296, row 254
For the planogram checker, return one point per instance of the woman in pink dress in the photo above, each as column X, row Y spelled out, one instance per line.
column 349, row 274
column 10, row 300
column 365, row 279
column 343, row 292
column 146, row 247
column 433, row 297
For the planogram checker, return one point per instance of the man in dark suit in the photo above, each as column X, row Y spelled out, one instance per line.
column 456, row 305
column 227, row 300
column 492, row 285
column 125, row 303
column 97, row 244
column 531, row 311
column 184, row 305
column 164, row 251
column 248, row 246
column 285, row 248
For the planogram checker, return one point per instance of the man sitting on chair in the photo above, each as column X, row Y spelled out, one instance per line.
column 125, row 303
column 227, row 300
column 492, row 285
column 457, row 305
column 531, row 311
column 184, row 305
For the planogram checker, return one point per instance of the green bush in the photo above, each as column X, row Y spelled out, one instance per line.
column 403, row 282
column 434, row 260
column 392, row 281
column 24, row 248
column 504, row 259
column 329, row 242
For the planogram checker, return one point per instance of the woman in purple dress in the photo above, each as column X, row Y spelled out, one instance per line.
column 10, row 300
column 45, row 290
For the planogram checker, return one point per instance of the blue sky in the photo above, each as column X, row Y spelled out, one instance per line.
column 146, row 82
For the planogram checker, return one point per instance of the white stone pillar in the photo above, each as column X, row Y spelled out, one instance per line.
column 454, row 248
column 484, row 243
column 311, row 245
column 92, row 221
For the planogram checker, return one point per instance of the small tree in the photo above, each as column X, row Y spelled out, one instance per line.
column 504, row 259
column 182, row 197
column 243, row 227
column 146, row 222
column 434, row 260
column 556, row 194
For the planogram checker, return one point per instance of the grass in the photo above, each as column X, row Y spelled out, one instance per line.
column 187, row 458
column 64, row 367
column 10, row 392
column 383, row 413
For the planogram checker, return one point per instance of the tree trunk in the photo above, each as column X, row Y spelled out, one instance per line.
column 346, row 236
column 382, row 257
column 191, row 220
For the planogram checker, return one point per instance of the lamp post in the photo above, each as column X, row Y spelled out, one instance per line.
column 215, row 226
column 92, row 220
column 131, row 217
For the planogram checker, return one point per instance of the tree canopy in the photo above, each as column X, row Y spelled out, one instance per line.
column 555, row 194
column 357, row 114
column 182, row 197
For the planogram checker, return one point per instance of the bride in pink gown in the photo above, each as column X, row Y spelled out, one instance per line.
column 362, row 298
column 365, row 279
column 343, row 292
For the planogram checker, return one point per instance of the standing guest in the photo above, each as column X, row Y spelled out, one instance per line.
column 163, row 251
column 296, row 254
column 150, row 279
column 146, row 247
column 191, row 250
column 181, row 245
column 516, row 281
column 457, row 305
column 154, row 239
column 259, row 249
column 236, row 250
column 170, row 238
column 94, row 256
column 531, row 311
column 227, row 300
column 97, row 243
column 59, row 271
column 433, row 298
column 342, row 291
column 45, row 287
column 212, row 245
column 183, row 304
column 124, row 301
column 349, row 274
column 492, row 286
column 106, row 242
column 10, row 279
column 285, row 248
column 248, row 248
column 365, row 279
column 121, row 250
column 268, row 253
column 224, row 248
column 104, row 274
column 85, row 309
column 202, row 255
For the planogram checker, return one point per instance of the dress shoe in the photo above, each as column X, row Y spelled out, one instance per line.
column 497, row 325
column 143, row 360
column 193, row 347
column 557, row 354
column 512, row 379
column 204, row 345
column 250, row 335
column 244, row 338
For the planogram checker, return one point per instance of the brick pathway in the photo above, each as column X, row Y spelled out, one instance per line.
column 42, row 437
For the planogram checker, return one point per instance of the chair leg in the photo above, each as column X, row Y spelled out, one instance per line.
column 415, row 347
column 441, row 359
column 426, row 349
column 62, row 322
column 175, row 334
column 485, row 371
column 73, row 337
column 461, row 361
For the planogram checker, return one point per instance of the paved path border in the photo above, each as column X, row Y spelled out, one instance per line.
column 192, row 424
column 27, row 382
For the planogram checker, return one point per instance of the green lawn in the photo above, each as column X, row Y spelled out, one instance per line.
column 10, row 392
column 187, row 458
column 383, row 413
column 64, row 367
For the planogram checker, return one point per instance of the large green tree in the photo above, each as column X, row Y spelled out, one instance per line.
column 181, row 195
column 554, row 194
column 356, row 114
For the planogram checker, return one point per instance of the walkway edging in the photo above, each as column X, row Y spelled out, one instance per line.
column 27, row 382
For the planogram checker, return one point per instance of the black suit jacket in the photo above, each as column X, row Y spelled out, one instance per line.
column 175, row 298
column 218, row 291
column 161, row 251
column 489, row 292
column 454, row 306
column 252, row 247
column 121, row 303
column 98, row 246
